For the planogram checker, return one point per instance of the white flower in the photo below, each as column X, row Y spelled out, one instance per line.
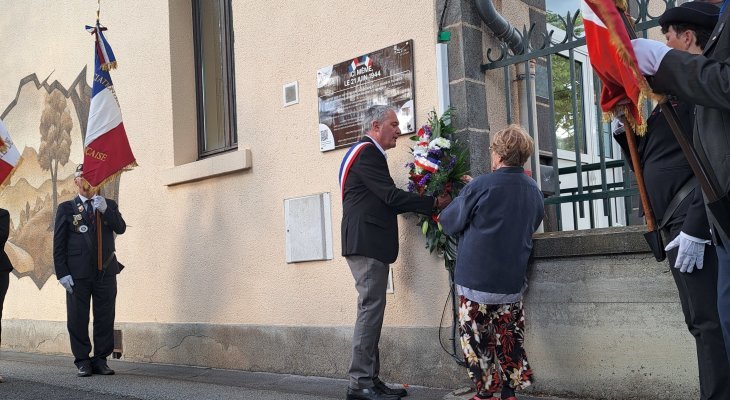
column 420, row 151
column 440, row 143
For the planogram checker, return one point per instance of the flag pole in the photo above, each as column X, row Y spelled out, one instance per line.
column 99, row 246
column 652, row 236
column 639, row 174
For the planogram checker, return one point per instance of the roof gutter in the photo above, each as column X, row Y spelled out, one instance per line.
column 499, row 26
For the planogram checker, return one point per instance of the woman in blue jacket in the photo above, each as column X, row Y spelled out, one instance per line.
column 495, row 216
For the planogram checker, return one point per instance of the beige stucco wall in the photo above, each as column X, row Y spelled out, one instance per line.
column 213, row 251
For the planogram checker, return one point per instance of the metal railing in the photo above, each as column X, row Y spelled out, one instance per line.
column 581, row 171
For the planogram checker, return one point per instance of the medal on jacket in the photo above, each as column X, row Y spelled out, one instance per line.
column 77, row 218
column 83, row 228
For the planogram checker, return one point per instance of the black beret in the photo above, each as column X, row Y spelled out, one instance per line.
column 701, row 15
column 79, row 170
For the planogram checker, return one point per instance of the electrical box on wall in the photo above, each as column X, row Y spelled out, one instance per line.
column 308, row 223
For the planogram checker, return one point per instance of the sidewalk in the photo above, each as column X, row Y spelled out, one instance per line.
column 36, row 376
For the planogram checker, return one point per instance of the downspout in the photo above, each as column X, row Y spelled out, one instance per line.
column 501, row 28
column 508, row 34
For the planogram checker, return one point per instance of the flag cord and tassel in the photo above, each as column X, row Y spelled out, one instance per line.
column 104, row 51
column 638, row 125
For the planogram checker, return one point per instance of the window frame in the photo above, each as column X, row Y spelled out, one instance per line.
column 227, row 63
column 589, row 104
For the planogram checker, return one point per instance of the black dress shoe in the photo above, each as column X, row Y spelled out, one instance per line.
column 383, row 388
column 84, row 371
column 102, row 369
column 370, row 393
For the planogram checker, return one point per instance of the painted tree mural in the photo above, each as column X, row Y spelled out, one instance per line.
column 55, row 147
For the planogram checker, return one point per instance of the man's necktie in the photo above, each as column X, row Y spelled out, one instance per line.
column 90, row 212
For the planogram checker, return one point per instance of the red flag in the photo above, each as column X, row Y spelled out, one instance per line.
column 106, row 148
column 613, row 59
column 9, row 154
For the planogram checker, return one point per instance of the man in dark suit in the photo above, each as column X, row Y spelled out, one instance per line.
column 78, row 270
column 5, row 265
column 371, row 203
column 677, row 202
column 702, row 79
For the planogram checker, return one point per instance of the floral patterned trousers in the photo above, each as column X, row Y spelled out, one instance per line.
column 492, row 337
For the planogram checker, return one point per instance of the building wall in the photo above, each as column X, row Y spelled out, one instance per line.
column 206, row 280
column 212, row 251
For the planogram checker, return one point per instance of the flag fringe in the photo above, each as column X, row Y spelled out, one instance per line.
column 645, row 91
column 622, row 110
column 109, row 66
column 113, row 176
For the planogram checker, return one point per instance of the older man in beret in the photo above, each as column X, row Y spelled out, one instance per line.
column 679, row 206
column 79, row 222
column 702, row 79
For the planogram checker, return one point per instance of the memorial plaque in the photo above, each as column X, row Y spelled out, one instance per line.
column 346, row 90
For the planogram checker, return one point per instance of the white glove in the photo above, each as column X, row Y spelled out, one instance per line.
column 99, row 203
column 649, row 54
column 691, row 252
column 617, row 127
column 67, row 282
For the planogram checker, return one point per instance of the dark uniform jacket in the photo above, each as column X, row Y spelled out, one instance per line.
column 666, row 170
column 705, row 81
column 75, row 251
column 5, row 264
column 371, row 203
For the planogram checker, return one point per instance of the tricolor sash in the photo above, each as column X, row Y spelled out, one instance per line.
column 347, row 162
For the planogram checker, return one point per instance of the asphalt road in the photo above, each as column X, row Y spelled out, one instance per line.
column 43, row 377
column 33, row 376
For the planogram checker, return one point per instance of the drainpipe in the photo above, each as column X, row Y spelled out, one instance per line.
column 509, row 35
column 528, row 112
column 496, row 23
column 442, row 74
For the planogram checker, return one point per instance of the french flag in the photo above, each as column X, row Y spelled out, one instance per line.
column 9, row 154
column 106, row 148
column 613, row 59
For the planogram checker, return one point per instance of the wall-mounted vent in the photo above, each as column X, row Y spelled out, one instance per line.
column 291, row 93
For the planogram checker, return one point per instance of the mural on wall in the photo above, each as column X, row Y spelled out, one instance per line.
column 47, row 123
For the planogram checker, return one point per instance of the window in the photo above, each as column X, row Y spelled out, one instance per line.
column 214, row 74
column 563, row 91
column 580, row 134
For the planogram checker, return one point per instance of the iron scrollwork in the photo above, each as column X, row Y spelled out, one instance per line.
column 572, row 26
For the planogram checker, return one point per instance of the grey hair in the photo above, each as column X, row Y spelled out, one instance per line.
column 375, row 113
